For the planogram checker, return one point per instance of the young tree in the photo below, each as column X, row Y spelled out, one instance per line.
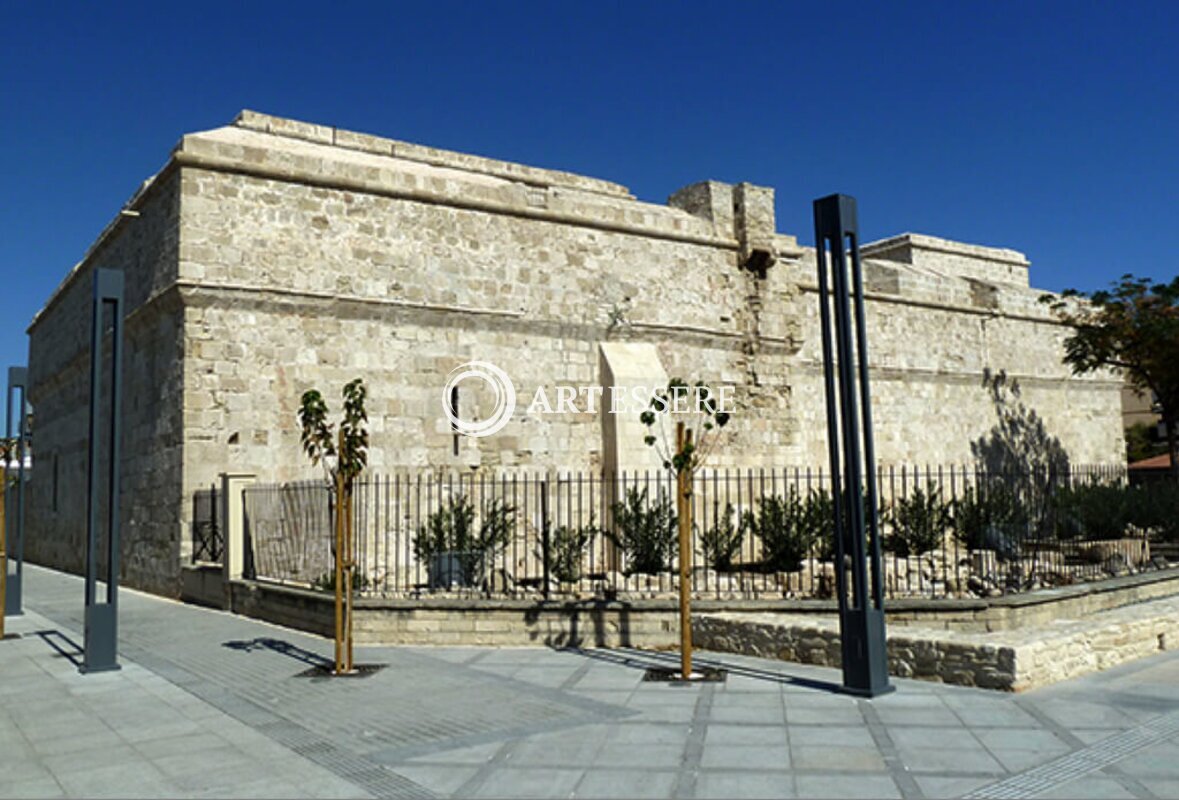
column 700, row 416
column 344, row 457
column 1134, row 327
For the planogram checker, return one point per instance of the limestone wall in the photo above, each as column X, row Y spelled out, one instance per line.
column 273, row 256
column 932, row 332
column 144, row 248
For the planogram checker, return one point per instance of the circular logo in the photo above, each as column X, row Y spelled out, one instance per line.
column 505, row 398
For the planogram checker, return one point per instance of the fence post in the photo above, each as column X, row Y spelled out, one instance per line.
column 544, row 535
column 233, row 513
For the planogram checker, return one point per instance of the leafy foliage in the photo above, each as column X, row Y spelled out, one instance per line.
column 1095, row 510
column 327, row 582
column 707, row 420
column 788, row 526
column 1134, row 327
column 918, row 522
column 990, row 517
column 645, row 531
column 453, row 528
column 567, row 545
column 721, row 542
column 1142, row 442
column 351, row 450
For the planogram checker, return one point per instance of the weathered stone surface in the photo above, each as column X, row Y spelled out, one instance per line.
column 271, row 256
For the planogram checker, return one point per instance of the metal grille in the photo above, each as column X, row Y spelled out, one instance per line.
column 947, row 531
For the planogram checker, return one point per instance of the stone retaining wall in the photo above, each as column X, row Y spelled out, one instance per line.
column 1008, row 660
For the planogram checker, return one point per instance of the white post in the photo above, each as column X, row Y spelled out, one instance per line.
column 233, row 516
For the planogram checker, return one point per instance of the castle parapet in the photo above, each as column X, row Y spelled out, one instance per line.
column 989, row 264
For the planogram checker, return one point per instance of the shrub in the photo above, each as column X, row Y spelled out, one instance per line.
column 452, row 529
column 645, row 532
column 567, row 546
column 1158, row 509
column 327, row 582
column 785, row 530
column 990, row 517
column 1096, row 510
column 918, row 522
column 720, row 543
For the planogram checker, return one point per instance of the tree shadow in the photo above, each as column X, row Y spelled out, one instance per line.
column 282, row 648
column 1019, row 443
column 647, row 659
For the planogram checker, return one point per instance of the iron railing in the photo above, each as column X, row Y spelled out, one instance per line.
column 948, row 532
column 207, row 541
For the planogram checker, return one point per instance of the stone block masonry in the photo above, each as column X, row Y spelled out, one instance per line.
column 271, row 256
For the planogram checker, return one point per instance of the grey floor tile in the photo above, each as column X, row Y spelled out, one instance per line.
column 529, row 783
column 944, row 759
column 880, row 787
column 1091, row 787
column 745, row 756
column 654, row 756
column 749, row 785
column 443, row 779
column 940, row 787
column 29, row 789
column 836, row 759
column 722, row 734
column 604, row 783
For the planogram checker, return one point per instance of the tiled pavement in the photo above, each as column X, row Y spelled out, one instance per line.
column 209, row 704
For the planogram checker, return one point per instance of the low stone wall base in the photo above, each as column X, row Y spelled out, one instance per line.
column 1010, row 660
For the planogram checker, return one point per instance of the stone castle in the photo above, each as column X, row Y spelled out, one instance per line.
column 271, row 256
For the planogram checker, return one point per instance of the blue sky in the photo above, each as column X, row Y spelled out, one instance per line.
column 1049, row 128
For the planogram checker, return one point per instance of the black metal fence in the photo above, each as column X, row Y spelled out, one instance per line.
column 947, row 532
column 207, row 540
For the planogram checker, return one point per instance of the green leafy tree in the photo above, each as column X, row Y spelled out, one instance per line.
column 344, row 456
column 1134, row 327
column 1142, row 442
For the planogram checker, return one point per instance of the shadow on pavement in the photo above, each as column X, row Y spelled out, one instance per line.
column 282, row 648
column 51, row 637
column 645, row 659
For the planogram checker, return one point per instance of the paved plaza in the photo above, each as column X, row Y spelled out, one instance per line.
column 213, row 705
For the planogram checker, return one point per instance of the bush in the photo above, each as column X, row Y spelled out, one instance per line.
column 720, row 543
column 918, row 522
column 452, row 529
column 1096, row 510
column 787, row 528
column 327, row 582
column 990, row 517
column 645, row 532
column 567, row 546
column 1158, row 509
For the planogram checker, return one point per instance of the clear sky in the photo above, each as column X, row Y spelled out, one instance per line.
column 1050, row 128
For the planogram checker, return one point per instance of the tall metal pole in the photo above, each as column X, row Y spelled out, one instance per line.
column 18, row 380
column 849, row 420
column 101, row 635
column 683, row 479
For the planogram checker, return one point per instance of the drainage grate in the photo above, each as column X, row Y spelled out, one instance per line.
column 1074, row 765
column 699, row 675
column 324, row 672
